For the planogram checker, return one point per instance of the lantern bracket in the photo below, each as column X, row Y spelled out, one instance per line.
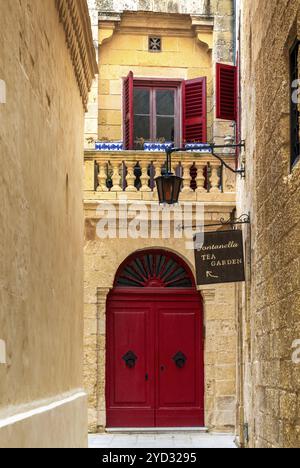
column 243, row 219
column 211, row 147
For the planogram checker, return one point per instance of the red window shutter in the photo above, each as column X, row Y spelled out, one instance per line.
column 194, row 111
column 128, row 112
column 226, row 93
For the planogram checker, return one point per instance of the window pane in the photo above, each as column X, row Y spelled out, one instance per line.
column 141, row 101
column 165, row 128
column 165, row 101
column 141, row 129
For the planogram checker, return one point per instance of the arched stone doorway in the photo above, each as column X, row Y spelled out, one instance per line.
column 154, row 362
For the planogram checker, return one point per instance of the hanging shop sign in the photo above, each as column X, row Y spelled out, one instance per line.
column 220, row 258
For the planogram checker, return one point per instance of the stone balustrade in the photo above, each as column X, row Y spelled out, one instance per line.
column 111, row 174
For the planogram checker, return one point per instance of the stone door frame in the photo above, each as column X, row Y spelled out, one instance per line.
column 98, row 422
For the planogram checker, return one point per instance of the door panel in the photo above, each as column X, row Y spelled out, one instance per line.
column 130, row 331
column 131, row 390
column 179, row 384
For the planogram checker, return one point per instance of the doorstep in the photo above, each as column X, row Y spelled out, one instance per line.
column 157, row 430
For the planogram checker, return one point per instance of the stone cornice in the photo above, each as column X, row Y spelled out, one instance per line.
column 145, row 22
column 74, row 16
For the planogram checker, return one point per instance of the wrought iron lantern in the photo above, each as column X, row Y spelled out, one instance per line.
column 168, row 185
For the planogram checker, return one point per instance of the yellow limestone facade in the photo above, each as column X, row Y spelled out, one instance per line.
column 43, row 83
column 186, row 54
column 191, row 45
column 196, row 35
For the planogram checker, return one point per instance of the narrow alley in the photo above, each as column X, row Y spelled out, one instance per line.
column 150, row 221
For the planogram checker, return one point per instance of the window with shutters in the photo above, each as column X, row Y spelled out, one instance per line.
column 163, row 111
column 226, row 92
column 295, row 105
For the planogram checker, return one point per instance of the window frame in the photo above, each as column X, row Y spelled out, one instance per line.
column 158, row 84
column 294, row 107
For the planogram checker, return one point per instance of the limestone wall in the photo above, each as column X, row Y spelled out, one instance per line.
column 41, row 268
column 164, row 6
column 270, row 313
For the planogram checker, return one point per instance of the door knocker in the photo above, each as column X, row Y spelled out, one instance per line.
column 130, row 359
column 180, row 360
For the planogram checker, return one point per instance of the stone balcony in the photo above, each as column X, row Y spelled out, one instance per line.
column 112, row 175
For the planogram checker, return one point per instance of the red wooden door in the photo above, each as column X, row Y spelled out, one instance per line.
column 163, row 334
